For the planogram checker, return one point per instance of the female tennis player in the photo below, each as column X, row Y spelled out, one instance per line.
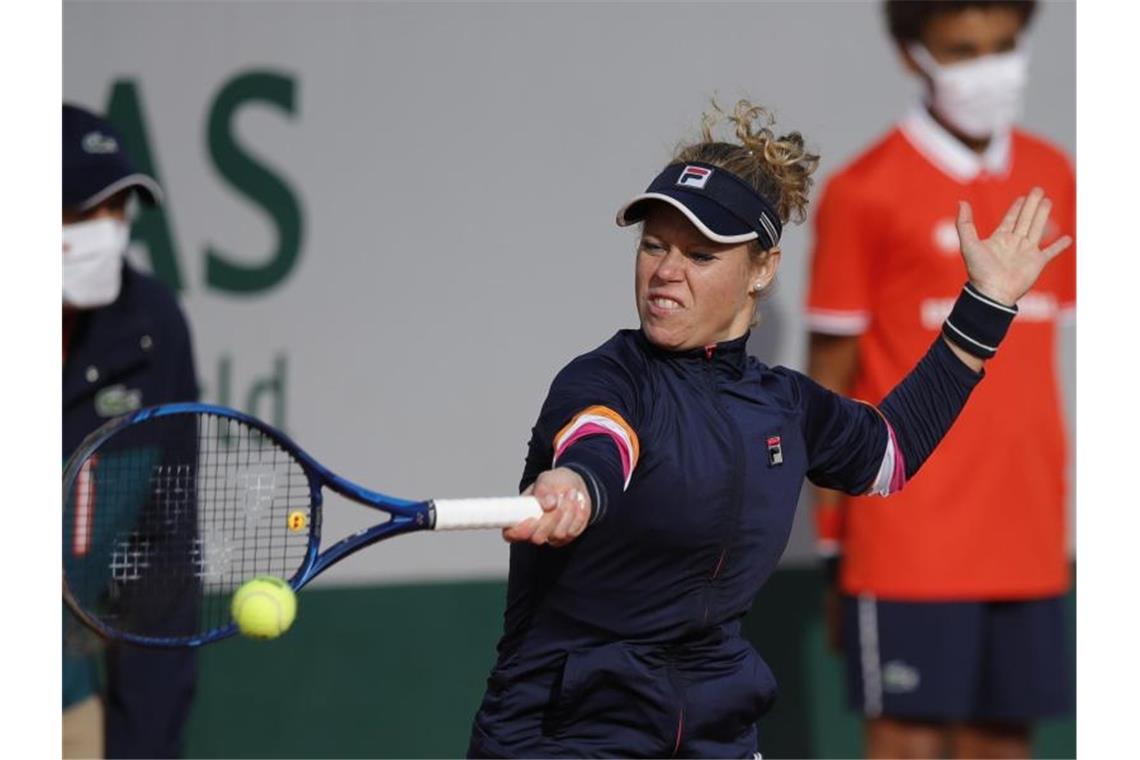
column 669, row 462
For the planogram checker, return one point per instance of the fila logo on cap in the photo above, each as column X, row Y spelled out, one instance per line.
column 97, row 142
column 694, row 176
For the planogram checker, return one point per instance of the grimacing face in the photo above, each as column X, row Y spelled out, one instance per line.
column 692, row 292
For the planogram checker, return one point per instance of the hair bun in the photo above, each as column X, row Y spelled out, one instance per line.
column 779, row 168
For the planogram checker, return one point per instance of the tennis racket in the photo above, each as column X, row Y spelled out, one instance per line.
column 166, row 511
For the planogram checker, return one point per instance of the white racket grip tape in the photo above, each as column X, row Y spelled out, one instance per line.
column 470, row 514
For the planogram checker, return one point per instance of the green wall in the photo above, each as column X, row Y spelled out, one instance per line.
column 398, row 671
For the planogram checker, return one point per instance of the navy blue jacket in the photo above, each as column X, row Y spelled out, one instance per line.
column 135, row 352
column 626, row 642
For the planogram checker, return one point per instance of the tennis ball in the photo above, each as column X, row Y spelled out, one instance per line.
column 264, row 607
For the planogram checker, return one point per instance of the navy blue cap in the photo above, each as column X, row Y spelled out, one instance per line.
column 722, row 206
column 95, row 164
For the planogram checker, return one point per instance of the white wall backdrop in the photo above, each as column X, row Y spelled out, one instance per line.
column 456, row 168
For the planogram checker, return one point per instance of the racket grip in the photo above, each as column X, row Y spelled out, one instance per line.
column 469, row 514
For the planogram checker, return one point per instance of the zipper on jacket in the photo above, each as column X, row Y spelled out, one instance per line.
column 738, row 490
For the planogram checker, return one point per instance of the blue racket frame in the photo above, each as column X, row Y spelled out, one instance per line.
column 406, row 516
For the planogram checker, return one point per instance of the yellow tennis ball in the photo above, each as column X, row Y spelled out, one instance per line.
column 264, row 607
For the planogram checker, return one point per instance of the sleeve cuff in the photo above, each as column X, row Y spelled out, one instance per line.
column 596, row 460
column 597, row 493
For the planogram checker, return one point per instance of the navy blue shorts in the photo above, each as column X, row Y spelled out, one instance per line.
column 959, row 661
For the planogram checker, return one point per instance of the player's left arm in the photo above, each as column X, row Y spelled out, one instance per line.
column 920, row 410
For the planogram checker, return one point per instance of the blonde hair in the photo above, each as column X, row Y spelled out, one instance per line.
column 778, row 168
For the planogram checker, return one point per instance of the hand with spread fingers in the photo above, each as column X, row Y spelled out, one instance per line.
column 1007, row 264
column 566, row 505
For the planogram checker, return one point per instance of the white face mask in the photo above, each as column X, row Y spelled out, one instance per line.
column 92, row 262
column 981, row 97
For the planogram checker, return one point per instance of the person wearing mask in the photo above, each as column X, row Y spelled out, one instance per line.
column 948, row 602
column 126, row 345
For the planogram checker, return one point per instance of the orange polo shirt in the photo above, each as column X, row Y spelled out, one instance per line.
column 985, row 516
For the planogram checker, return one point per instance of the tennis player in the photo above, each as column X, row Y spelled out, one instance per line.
column 952, row 619
column 669, row 463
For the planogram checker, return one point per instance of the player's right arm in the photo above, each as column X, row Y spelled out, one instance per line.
column 583, row 449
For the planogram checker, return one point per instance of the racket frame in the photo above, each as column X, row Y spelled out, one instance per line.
column 406, row 516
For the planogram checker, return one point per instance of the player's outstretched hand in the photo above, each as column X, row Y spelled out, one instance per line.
column 566, row 507
column 1006, row 264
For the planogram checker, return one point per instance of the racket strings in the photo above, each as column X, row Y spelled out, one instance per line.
column 170, row 515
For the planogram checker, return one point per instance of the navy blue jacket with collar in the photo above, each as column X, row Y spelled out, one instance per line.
column 626, row 642
column 135, row 352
